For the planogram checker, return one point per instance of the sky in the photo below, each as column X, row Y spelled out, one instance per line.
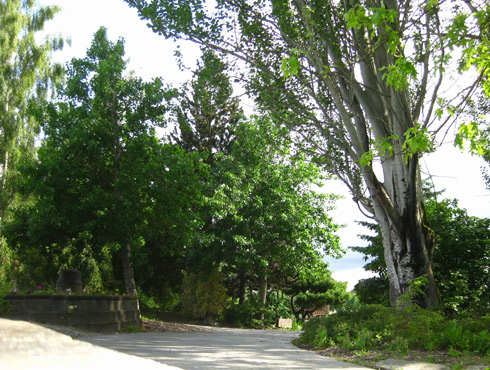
column 152, row 56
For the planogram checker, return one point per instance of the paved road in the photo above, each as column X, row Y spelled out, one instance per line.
column 27, row 346
column 234, row 349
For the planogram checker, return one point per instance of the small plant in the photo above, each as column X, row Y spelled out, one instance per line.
column 454, row 353
column 361, row 352
column 321, row 339
column 454, row 333
column 433, row 360
column 345, row 342
column 72, row 308
column 480, row 342
column 364, row 340
column 458, row 366
column 132, row 328
column 399, row 345
column 297, row 325
column 429, row 344
column 416, row 289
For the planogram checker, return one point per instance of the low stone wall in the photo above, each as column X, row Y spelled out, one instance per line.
column 100, row 313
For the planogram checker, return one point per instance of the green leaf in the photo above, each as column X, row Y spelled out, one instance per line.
column 290, row 66
column 356, row 17
column 366, row 158
column 431, row 4
column 417, row 140
column 471, row 133
column 398, row 74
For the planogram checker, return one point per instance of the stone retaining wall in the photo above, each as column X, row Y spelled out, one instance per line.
column 100, row 313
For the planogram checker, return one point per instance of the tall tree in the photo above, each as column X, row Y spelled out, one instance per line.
column 358, row 81
column 207, row 116
column 208, row 112
column 26, row 73
column 268, row 224
column 103, row 179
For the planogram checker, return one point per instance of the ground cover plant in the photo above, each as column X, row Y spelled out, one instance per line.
column 399, row 332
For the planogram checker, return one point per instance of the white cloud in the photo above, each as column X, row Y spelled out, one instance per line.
column 352, row 276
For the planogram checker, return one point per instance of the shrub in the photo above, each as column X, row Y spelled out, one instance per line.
column 204, row 296
column 375, row 326
column 277, row 306
column 343, row 326
column 245, row 315
column 164, row 300
column 7, row 266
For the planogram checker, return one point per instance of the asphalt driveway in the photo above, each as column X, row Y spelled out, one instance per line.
column 220, row 348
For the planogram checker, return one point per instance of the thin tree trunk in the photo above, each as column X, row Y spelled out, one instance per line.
column 128, row 271
column 242, row 289
column 3, row 184
column 4, row 169
column 263, row 295
column 293, row 309
column 263, row 291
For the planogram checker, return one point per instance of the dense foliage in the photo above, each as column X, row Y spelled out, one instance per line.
column 377, row 327
column 27, row 75
column 361, row 84
column 101, row 178
column 218, row 219
column 220, row 207
column 204, row 297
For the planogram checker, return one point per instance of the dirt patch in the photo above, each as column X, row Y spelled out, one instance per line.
column 172, row 327
column 369, row 358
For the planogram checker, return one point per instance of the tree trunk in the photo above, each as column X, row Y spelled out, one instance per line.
column 242, row 289
column 408, row 242
column 4, row 169
column 296, row 312
column 263, row 295
column 3, row 183
column 128, row 271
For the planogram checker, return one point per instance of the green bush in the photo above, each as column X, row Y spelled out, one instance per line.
column 338, row 328
column 204, row 296
column 378, row 327
column 247, row 315
column 7, row 266
column 164, row 300
column 15, row 276
column 278, row 306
